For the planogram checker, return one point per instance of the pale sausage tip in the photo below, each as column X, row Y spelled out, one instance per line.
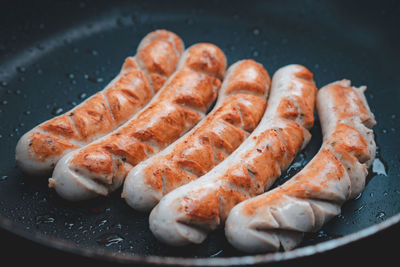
column 137, row 194
column 167, row 230
column 70, row 185
column 26, row 163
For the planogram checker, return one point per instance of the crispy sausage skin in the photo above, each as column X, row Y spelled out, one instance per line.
column 240, row 107
column 101, row 167
column 140, row 78
column 188, row 213
column 277, row 219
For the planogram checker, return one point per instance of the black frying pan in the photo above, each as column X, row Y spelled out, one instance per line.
column 53, row 55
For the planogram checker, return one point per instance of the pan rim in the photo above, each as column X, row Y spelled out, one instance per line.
column 110, row 256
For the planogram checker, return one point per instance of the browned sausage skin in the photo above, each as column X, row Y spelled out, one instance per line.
column 277, row 219
column 102, row 166
column 188, row 213
column 140, row 78
column 240, row 107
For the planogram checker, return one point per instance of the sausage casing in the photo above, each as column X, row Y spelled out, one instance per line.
column 277, row 219
column 140, row 78
column 188, row 213
column 241, row 104
column 101, row 167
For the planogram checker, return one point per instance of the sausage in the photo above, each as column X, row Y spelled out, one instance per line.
column 277, row 219
column 140, row 78
column 101, row 167
column 240, row 106
column 188, row 213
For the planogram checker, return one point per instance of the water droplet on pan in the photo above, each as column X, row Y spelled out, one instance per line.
column 46, row 218
column 379, row 167
column 93, row 79
column 82, row 96
column 56, row 111
column 380, row 215
column 21, row 69
column 109, row 239
column 256, row 31
column 216, row 254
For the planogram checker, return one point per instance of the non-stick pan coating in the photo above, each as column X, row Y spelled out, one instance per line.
column 53, row 55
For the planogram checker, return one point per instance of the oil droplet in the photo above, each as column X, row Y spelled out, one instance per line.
column 109, row 239
column 3, row 178
column 341, row 216
column 380, row 215
column 378, row 167
column 93, row 79
column 359, row 209
column 101, row 222
column 46, row 218
column 56, row 111
column 82, row 96
column 70, row 76
column 21, row 69
column 256, row 31
column 69, row 225
column 27, row 112
column 216, row 254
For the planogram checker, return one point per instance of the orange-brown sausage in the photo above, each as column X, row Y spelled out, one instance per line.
column 140, row 78
column 337, row 173
column 102, row 166
column 240, row 107
column 188, row 213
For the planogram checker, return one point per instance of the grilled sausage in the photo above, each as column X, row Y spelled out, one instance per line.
column 188, row 213
column 240, row 106
column 101, row 167
column 337, row 173
column 140, row 78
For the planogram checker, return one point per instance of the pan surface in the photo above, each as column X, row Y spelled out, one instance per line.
column 53, row 55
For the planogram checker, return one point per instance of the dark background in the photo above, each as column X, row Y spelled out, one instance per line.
column 53, row 54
